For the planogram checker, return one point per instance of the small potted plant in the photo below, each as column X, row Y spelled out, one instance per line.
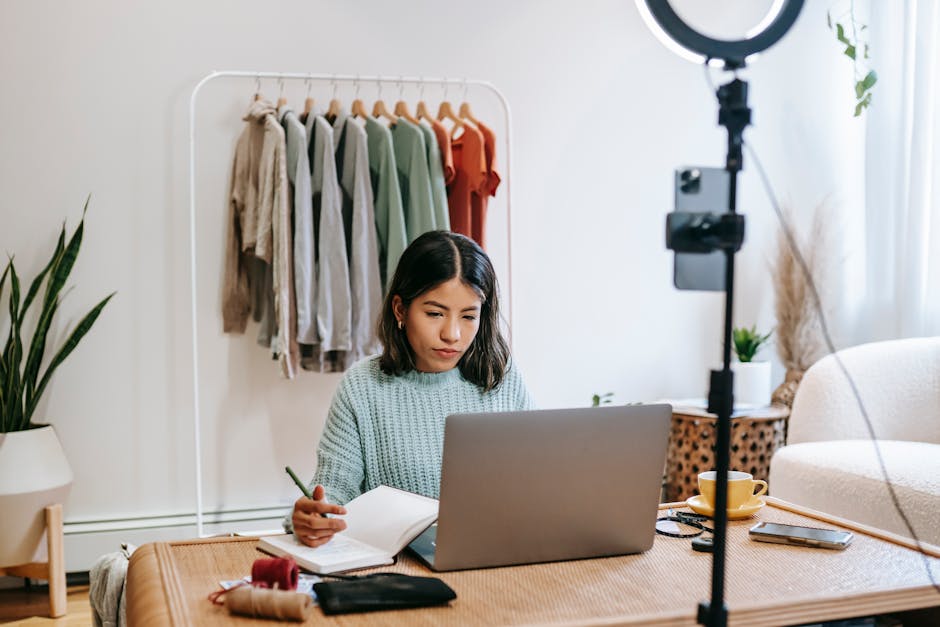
column 751, row 378
column 33, row 470
column 602, row 399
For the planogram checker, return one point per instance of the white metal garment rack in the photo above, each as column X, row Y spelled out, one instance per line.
column 332, row 78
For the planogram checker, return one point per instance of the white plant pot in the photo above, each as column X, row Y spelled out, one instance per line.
column 751, row 383
column 33, row 474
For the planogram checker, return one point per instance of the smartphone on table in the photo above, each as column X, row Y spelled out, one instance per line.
column 800, row 536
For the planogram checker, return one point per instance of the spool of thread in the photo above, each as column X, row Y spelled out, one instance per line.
column 276, row 572
column 268, row 603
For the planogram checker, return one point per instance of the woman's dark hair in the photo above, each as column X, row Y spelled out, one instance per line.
column 434, row 258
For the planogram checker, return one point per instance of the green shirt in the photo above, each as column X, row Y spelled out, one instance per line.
column 411, row 157
column 389, row 215
column 389, row 430
column 438, row 187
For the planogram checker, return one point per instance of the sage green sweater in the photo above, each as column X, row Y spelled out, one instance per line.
column 389, row 430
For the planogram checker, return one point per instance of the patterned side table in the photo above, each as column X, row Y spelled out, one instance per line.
column 755, row 436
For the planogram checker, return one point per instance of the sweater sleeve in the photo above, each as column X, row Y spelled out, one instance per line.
column 235, row 291
column 340, row 467
column 283, row 259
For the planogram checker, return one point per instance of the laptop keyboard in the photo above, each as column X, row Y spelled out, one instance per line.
column 425, row 544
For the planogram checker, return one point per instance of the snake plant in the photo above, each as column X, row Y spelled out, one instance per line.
column 22, row 382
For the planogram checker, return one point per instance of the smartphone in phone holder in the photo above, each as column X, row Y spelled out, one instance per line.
column 700, row 229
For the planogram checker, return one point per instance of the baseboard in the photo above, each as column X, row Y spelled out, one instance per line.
column 78, row 578
column 87, row 540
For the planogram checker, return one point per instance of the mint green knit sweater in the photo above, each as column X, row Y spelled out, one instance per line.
column 389, row 430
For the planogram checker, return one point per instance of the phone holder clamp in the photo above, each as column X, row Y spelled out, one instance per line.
column 704, row 232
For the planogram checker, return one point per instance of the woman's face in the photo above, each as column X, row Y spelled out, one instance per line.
column 440, row 324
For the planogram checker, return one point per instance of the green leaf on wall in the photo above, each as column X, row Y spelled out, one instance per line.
column 840, row 35
column 863, row 104
column 852, row 34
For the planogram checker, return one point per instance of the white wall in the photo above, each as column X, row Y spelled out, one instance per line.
column 96, row 100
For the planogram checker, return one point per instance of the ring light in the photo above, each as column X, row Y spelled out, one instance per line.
column 693, row 46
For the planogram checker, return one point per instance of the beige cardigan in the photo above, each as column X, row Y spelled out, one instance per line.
column 260, row 226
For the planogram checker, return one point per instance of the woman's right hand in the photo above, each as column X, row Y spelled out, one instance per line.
column 311, row 526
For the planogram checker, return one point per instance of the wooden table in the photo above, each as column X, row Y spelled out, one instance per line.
column 755, row 436
column 767, row 584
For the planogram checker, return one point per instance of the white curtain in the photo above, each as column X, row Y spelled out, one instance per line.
column 901, row 296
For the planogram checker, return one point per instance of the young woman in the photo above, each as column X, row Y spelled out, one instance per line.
column 443, row 354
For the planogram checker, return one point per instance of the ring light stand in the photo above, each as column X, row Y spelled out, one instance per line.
column 724, row 232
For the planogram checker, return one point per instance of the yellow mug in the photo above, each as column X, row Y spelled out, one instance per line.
column 740, row 487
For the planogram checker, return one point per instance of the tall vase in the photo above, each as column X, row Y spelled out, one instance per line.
column 34, row 473
column 786, row 391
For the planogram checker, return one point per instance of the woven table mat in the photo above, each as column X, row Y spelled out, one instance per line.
column 766, row 583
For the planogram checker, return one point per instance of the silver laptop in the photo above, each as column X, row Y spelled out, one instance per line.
column 540, row 486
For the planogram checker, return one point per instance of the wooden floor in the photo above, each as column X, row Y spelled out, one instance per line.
column 21, row 607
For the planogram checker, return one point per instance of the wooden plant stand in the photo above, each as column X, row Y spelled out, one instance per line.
column 54, row 570
column 755, row 437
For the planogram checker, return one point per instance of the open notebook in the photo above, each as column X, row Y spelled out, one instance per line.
column 379, row 524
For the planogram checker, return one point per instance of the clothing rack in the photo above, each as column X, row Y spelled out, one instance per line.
column 357, row 80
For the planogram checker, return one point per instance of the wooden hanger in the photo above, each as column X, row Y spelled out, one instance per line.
column 308, row 101
column 281, row 100
column 446, row 112
column 258, row 95
column 380, row 110
column 467, row 114
column 401, row 110
column 401, row 107
column 335, row 105
column 358, row 107
column 422, row 112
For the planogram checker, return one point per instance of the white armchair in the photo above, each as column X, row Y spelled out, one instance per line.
column 830, row 463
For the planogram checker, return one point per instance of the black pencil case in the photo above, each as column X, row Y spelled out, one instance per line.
column 382, row 591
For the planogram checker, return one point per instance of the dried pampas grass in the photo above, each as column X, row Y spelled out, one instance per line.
column 800, row 341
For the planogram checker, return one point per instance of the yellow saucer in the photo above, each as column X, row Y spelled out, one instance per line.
column 700, row 506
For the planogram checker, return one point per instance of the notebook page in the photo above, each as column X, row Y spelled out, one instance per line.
column 339, row 553
column 388, row 518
